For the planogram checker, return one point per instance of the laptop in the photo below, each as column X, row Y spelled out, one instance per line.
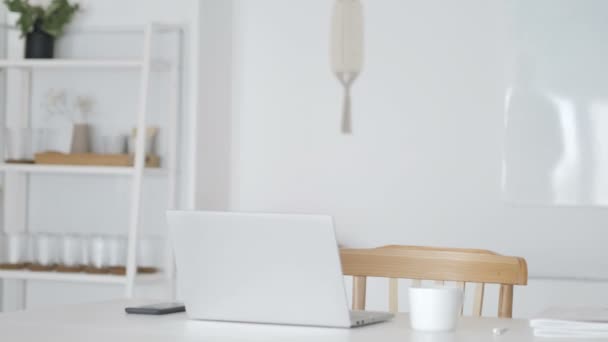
column 262, row 268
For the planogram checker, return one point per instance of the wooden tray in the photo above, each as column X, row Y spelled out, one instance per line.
column 69, row 269
column 91, row 159
column 41, row 268
column 121, row 270
column 13, row 266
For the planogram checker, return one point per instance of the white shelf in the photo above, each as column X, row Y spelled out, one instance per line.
column 57, row 276
column 75, row 277
column 80, row 64
column 67, row 63
column 114, row 29
column 83, row 170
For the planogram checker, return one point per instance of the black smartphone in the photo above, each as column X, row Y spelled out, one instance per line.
column 157, row 309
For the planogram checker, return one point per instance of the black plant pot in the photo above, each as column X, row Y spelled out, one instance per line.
column 39, row 44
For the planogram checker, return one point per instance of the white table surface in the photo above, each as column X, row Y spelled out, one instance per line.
column 108, row 322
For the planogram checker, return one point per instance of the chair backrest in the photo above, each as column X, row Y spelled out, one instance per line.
column 438, row 264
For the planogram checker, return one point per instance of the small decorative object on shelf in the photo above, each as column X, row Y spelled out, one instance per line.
column 150, row 140
column 41, row 22
column 65, row 129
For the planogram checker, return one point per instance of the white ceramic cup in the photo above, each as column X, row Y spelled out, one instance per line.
column 71, row 251
column 45, row 249
column 16, row 248
column 435, row 309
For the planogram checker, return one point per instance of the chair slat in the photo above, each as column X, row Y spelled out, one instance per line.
column 478, row 301
column 462, row 285
column 393, row 295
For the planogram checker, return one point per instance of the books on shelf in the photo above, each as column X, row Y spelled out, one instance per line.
column 572, row 322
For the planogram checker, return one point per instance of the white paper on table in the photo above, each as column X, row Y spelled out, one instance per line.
column 583, row 322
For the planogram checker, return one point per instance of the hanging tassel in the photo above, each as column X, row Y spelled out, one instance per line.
column 346, row 114
column 346, row 79
column 346, row 51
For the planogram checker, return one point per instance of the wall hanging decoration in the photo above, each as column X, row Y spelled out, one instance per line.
column 346, row 50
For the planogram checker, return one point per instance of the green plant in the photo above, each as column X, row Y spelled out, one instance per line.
column 51, row 19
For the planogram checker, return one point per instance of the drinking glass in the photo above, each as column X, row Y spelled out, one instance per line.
column 84, row 250
column 98, row 252
column 148, row 144
column 16, row 249
column 45, row 249
column 149, row 254
column 114, row 144
column 19, row 144
column 71, row 251
column 117, row 251
column 3, row 252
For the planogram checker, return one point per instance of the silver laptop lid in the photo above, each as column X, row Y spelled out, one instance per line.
column 263, row 268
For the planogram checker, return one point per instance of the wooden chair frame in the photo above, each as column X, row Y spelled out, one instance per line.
column 438, row 264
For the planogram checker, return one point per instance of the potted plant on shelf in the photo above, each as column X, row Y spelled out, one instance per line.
column 41, row 22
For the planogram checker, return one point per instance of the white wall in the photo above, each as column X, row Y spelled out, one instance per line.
column 214, row 131
column 424, row 163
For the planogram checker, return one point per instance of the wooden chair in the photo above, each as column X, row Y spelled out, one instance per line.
column 439, row 264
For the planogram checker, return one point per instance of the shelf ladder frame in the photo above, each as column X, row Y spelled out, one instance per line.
column 18, row 181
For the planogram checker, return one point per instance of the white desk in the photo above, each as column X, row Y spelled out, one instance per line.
column 107, row 322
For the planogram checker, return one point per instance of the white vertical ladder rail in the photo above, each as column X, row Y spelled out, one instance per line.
column 139, row 164
column 174, row 108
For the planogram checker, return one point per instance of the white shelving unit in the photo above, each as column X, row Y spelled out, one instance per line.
column 145, row 66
